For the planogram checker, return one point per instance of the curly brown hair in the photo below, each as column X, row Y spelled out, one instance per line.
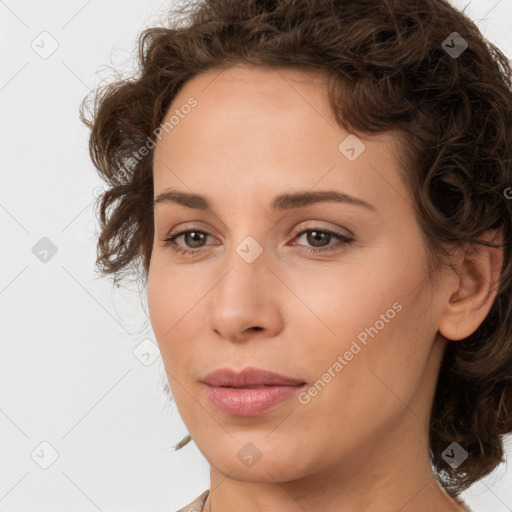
column 392, row 65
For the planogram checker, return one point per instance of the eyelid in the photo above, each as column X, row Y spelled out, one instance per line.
column 188, row 226
column 317, row 225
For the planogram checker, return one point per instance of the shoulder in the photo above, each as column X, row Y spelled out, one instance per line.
column 197, row 505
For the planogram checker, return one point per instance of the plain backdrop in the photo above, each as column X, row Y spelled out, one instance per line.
column 84, row 422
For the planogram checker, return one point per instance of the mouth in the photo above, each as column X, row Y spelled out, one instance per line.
column 251, row 400
column 250, row 392
column 249, row 377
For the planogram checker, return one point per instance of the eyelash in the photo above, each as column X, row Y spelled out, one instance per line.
column 344, row 240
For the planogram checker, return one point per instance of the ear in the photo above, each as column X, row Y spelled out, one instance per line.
column 478, row 270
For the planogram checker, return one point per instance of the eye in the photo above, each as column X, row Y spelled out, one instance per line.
column 323, row 237
column 190, row 236
column 319, row 238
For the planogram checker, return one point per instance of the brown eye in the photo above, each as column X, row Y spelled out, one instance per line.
column 193, row 239
column 319, row 240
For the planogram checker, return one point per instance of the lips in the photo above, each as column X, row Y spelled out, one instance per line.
column 251, row 392
column 248, row 378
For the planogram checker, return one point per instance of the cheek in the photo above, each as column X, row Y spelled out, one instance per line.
column 164, row 304
column 175, row 313
column 358, row 389
column 169, row 321
column 158, row 298
column 369, row 331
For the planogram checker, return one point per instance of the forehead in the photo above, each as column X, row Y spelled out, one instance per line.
column 255, row 129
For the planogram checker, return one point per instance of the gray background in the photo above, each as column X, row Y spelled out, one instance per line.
column 70, row 375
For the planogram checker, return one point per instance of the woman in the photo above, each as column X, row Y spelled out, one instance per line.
column 319, row 194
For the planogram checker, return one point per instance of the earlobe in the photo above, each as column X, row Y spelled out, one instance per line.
column 479, row 270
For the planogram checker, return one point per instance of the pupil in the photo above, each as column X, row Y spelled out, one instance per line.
column 194, row 235
column 314, row 236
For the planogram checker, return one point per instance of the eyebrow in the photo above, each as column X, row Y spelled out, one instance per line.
column 280, row 202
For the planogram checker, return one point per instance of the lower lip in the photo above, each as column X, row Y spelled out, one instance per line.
column 249, row 401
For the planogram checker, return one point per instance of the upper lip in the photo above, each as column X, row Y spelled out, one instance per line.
column 248, row 377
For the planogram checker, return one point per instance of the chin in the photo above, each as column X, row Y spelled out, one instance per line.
column 251, row 460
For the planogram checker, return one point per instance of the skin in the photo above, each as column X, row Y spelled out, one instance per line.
column 361, row 443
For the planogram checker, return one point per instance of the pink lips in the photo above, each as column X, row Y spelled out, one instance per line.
column 250, row 392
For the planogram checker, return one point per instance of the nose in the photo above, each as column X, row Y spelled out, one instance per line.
column 247, row 301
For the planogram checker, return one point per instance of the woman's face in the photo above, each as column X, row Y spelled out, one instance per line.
column 355, row 321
